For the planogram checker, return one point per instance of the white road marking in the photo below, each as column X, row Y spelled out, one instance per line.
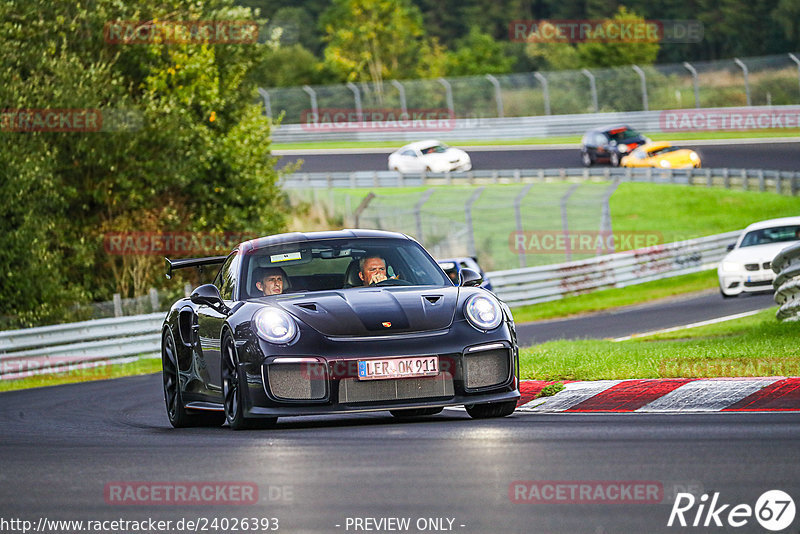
column 691, row 325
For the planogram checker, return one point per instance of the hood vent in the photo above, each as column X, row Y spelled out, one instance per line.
column 310, row 306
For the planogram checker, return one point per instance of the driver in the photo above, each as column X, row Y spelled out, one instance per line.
column 271, row 281
column 372, row 269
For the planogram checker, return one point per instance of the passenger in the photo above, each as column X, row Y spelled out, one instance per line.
column 271, row 281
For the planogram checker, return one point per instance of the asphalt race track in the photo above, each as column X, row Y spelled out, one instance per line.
column 783, row 156
column 63, row 447
column 642, row 318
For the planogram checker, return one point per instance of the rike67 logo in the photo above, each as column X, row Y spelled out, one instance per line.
column 774, row 510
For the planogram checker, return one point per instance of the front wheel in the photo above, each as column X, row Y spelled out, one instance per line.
column 726, row 296
column 232, row 390
column 179, row 416
column 614, row 159
column 586, row 159
column 496, row 409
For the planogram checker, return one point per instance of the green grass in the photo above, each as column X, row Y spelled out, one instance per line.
column 141, row 367
column 613, row 298
column 563, row 140
column 758, row 345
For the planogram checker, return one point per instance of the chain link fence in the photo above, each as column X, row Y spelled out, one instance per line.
column 506, row 227
column 753, row 81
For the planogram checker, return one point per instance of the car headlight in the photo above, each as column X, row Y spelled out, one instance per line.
column 693, row 156
column 730, row 266
column 274, row 325
column 622, row 148
column 483, row 312
column 665, row 164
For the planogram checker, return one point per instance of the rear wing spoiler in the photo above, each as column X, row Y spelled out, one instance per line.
column 192, row 262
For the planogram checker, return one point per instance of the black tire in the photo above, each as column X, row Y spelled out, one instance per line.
column 178, row 415
column 486, row 411
column 232, row 391
column 415, row 412
column 614, row 159
column 727, row 296
column 586, row 159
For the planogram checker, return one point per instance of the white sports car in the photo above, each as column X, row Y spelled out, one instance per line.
column 748, row 266
column 429, row 156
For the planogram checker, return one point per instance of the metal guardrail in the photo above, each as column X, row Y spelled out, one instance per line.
column 781, row 182
column 522, row 127
column 519, row 287
column 787, row 284
column 64, row 347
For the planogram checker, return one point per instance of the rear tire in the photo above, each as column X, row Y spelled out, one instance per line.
column 178, row 415
column 415, row 412
column 496, row 409
column 232, row 390
column 586, row 159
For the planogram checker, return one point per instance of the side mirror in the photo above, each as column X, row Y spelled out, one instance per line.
column 731, row 246
column 470, row 278
column 207, row 294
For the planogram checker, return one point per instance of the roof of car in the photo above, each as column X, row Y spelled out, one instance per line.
column 299, row 237
column 421, row 144
column 771, row 223
column 605, row 129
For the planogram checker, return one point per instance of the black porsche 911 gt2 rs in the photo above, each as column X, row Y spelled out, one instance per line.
column 327, row 343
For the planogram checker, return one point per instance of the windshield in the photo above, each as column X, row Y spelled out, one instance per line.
column 335, row 264
column 765, row 236
column 435, row 149
column 621, row 134
column 664, row 150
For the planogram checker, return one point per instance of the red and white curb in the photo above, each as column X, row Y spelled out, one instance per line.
column 668, row 395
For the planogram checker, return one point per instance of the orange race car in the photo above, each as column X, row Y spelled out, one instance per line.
column 662, row 155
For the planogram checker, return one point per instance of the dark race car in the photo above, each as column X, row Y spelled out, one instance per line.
column 326, row 343
column 453, row 267
column 608, row 145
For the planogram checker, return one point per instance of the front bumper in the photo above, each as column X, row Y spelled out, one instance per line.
column 325, row 371
column 738, row 282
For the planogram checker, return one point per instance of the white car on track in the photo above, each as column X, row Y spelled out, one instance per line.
column 429, row 156
column 748, row 266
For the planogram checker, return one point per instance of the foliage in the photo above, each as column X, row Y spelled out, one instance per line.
column 370, row 40
column 476, row 54
column 598, row 54
column 195, row 159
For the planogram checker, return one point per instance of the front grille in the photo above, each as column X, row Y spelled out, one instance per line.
column 759, row 283
column 352, row 390
column 486, row 368
column 751, row 266
column 767, row 265
column 297, row 381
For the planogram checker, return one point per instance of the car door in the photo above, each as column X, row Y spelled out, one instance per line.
column 210, row 321
column 411, row 161
column 602, row 144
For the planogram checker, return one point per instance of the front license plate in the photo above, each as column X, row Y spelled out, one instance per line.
column 398, row 368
